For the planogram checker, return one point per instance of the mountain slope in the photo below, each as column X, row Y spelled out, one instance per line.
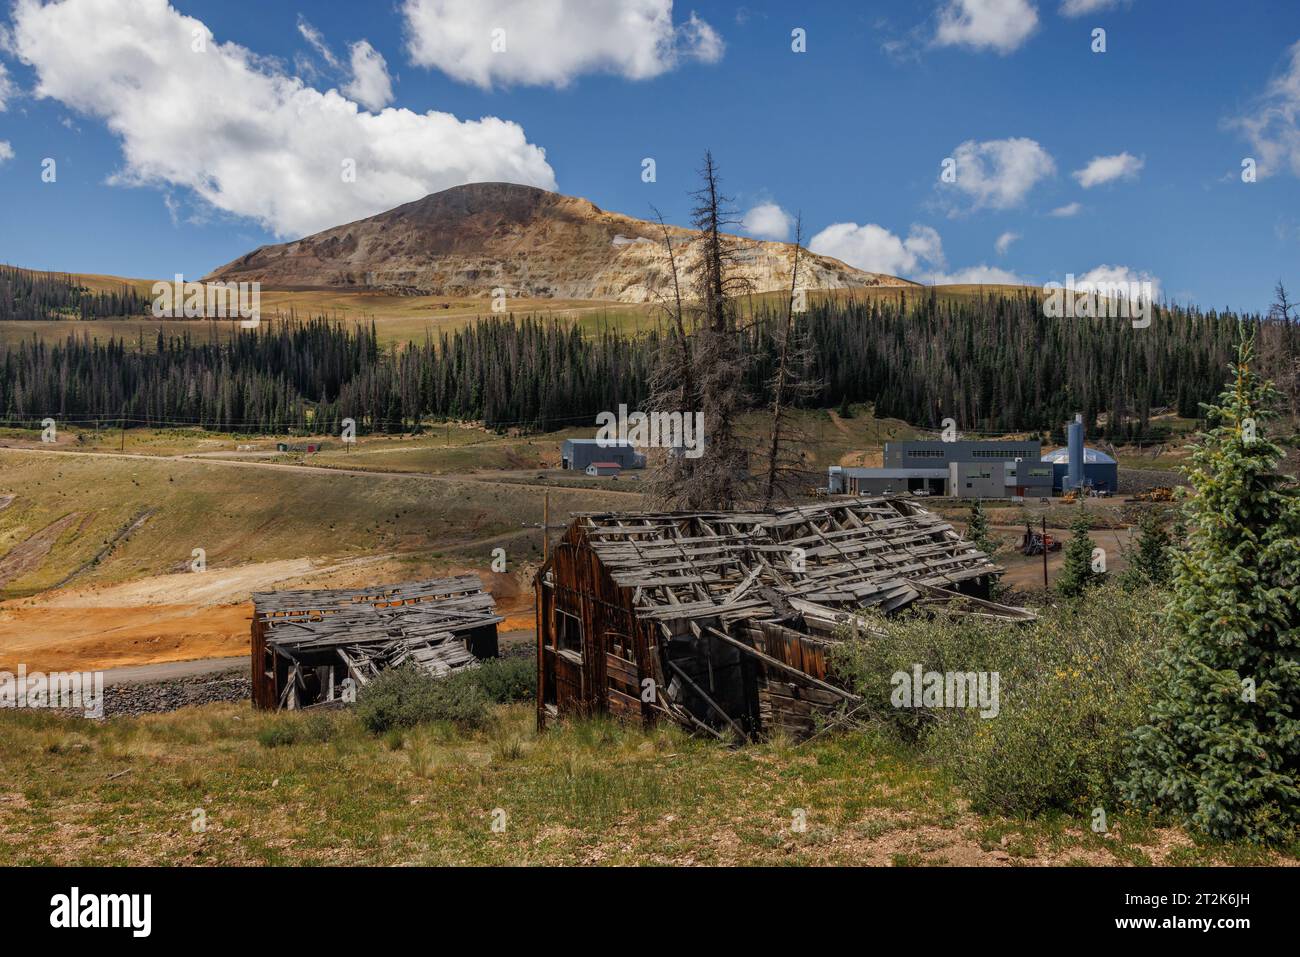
column 470, row 240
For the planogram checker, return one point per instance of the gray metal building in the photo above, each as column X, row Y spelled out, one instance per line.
column 867, row 481
column 966, row 469
column 579, row 453
column 930, row 455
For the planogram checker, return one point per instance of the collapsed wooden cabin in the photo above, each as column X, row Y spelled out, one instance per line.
column 723, row 620
column 306, row 643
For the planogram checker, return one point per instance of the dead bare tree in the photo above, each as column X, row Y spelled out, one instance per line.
column 1282, row 306
column 672, row 380
column 785, row 466
column 705, row 371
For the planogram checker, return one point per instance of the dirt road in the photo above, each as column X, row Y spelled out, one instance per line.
column 205, row 459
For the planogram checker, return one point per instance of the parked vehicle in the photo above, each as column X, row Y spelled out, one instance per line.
column 1033, row 542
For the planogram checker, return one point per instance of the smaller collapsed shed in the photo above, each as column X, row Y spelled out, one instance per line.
column 304, row 643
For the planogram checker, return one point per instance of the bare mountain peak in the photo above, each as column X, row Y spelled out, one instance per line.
column 472, row 239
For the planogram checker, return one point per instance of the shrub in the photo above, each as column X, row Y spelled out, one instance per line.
column 506, row 680
column 1071, row 688
column 405, row 696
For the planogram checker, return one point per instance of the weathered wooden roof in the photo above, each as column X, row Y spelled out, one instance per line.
column 385, row 624
column 448, row 592
column 823, row 559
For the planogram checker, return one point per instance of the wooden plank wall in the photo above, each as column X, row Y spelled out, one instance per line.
column 619, row 650
column 785, row 705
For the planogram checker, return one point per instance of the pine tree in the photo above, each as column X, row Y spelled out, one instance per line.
column 1221, row 749
column 977, row 529
column 1149, row 563
column 1077, row 573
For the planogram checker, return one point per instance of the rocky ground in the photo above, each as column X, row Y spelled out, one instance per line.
column 156, row 696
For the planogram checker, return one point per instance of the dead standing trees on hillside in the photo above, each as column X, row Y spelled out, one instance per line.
column 784, row 465
column 704, row 370
column 672, row 381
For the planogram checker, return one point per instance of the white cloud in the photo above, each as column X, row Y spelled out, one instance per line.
column 1080, row 8
column 700, row 41
column 767, row 221
column 1066, row 211
column 1004, row 242
column 920, row 256
column 317, row 41
column 6, row 88
column 371, row 85
column 1107, row 169
column 876, row 249
column 1272, row 128
column 368, row 81
column 6, row 151
column 243, row 135
column 550, row 42
column 975, row 275
column 1109, row 275
column 1001, row 25
column 998, row 174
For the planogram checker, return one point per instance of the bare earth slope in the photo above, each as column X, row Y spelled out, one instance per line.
column 470, row 240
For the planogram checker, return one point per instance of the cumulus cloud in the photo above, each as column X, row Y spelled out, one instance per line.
column 1000, row 25
column 1066, row 211
column 975, row 275
column 550, row 42
column 876, row 249
column 240, row 133
column 1272, row 126
column 1107, row 169
column 371, row 85
column 6, row 151
column 920, row 256
column 998, row 174
column 767, row 221
column 1079, row 8
column 1107, row 276
column 1004, row 242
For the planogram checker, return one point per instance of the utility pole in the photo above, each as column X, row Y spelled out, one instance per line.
column 546, row 524
column 1044, row 553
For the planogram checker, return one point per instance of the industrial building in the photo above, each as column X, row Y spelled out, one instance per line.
column 865, row 481
column 1100, row 471
column 973, row 469
column 931, row 455
column 577, row 454
column 967, row 469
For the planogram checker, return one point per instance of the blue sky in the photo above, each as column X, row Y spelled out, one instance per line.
column 171, row 159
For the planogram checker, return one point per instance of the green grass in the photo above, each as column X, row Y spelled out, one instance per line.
column 311, row 789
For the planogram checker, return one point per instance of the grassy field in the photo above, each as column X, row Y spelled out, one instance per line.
column 110, row 519
column 402, row 319
column 453, row 490
column 129, row 791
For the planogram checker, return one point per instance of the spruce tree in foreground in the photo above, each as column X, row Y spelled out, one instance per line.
column 1077, row 573
column 1149, row 563
column 1221, row 750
